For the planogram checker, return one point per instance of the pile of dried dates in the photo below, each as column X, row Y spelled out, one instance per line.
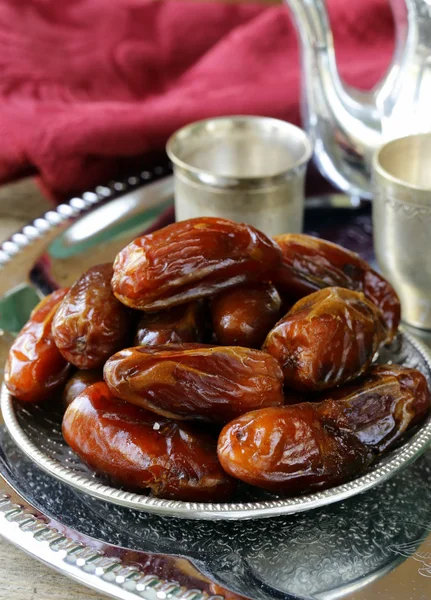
column 209, row 353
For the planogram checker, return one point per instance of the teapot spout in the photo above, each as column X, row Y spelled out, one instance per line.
column 344, row 124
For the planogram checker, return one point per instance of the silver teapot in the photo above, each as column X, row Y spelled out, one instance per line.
column 347, row 125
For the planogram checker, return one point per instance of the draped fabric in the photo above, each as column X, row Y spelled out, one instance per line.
column 86, row 85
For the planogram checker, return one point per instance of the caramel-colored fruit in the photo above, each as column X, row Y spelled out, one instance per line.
column 177, row 325
column 310, row 264
column 35, row 369
column 91, row 324
column 309, row 446
column 192, row 381
column 244, row 315
column 327, row 339
column 141, row 450
column 189, row 260
column 79, row 382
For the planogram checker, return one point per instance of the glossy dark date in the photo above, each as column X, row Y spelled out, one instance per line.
column 179, row 324
column 35, row 369
column 91, row 324
column 327, row 339
column 295, row 449
column 287, row 451
column 310, row 264
column 196, row 382
column 141, row 450
column 79, row 382
column 244, row 315
column 189, row 260
column 380, row 406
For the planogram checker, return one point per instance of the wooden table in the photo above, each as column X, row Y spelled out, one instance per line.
column 23, row 577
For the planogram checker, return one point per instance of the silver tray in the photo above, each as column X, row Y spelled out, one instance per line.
column 374, row 545
column 38, row 434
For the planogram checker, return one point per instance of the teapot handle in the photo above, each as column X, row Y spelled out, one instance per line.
column 312, row 18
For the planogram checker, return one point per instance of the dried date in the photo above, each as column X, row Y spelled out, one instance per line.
column 35, row 369
column 91, row 324
column 287, row 451
column 244, row 315
column 179, row 324
column 79, row 382
column 141, row 450
column 295, row 449
column 189, row 260
column 310, row 264
column 195, row 382
column 327, row 339
column 379, row 407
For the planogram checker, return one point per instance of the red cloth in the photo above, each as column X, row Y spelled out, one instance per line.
column 84, row 83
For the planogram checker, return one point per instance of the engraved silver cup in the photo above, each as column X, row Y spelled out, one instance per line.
column 245, row 168
column 402, row 222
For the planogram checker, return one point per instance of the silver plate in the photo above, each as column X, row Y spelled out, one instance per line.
column 38, row 434
column 75, row 235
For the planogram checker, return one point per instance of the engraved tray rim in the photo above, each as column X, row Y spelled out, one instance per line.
column 383, row 470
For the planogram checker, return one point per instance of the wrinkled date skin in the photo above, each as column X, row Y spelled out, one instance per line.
column 295, row 449
column 191, row 382
column 326, row 339
column 243, row 316
column 379, row 407
column 141, row 450
column 91, row 324
column 189, row 260
column 35, row 369
column 310, row 264
column 79, row 382
column 286, row 450
column 177, row 325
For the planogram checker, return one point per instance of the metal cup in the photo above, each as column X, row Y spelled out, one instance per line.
column 402, row 222
column 245, row 168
